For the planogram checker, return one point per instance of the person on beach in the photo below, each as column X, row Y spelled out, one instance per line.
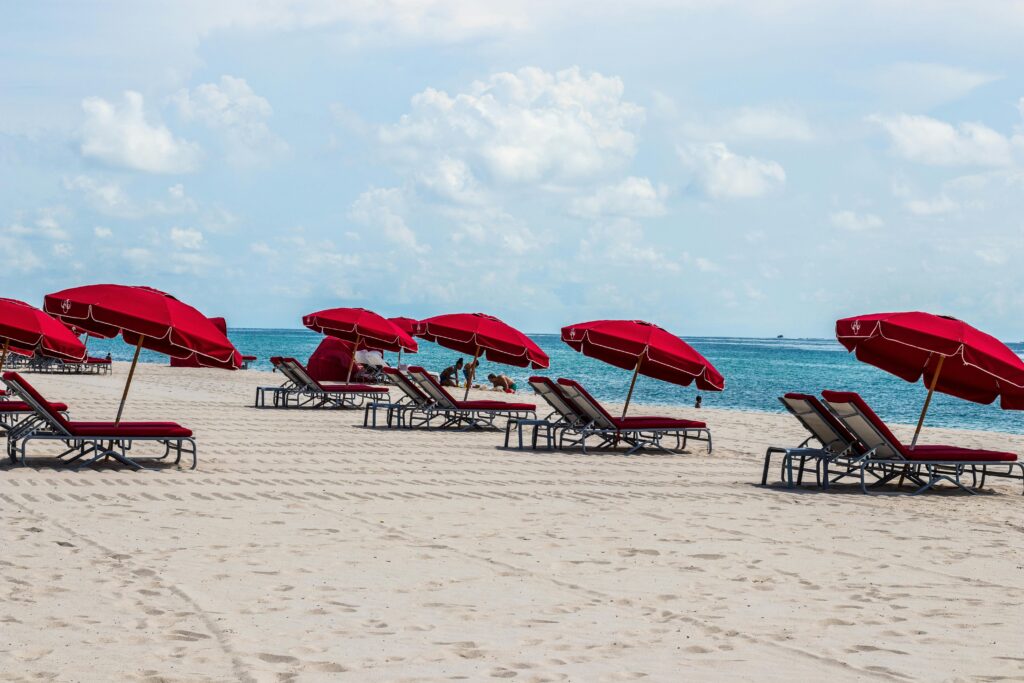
column 700, row 399
column 502, row 383
column 450, row 375
column 470, row 371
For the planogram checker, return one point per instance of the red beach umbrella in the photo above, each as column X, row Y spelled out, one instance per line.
column 359, row 325
column 946, row 354
column 27, row 330
column 144, row 317
column 407, row 325
column 646, row 349
column 481, row 334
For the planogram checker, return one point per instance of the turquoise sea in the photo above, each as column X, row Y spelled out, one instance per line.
column 757, row 372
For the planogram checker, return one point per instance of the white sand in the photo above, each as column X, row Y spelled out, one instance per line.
column 307, row 548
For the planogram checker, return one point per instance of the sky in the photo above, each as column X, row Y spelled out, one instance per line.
column 716, row 167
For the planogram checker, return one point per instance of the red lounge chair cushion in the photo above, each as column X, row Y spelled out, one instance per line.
column 128, row 429
column 97, row 361
column 653, row 422
column 353, row 389
column 923, row 452
column 22, row 407
column 494, row 405
column 955, row 454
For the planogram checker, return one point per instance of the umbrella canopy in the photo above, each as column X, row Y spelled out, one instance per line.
column 144, row 317
column 222, row 325
column 359, row 324
column 646, row 349
column 947, row 354
column 407, row 325
column 479, row 334
column 26, row 330
column 362, row 327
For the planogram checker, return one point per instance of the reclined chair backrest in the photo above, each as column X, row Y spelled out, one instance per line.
column 407, row 387
column 432, row 388
column 40, row 405
column 552, row 393
column 298, row 374
column 286, row 369
column 862, row 422
column 585, row 404
column 821, row 423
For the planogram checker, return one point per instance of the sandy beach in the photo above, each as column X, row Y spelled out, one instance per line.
column 305, row 547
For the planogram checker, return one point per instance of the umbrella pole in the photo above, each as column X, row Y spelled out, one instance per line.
column 927, row 401
column 128, row 382
column 352, row 361
column 3, row 357
column 472, row 374
column 632, row 384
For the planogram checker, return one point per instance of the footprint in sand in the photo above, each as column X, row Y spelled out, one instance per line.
column 276, row 659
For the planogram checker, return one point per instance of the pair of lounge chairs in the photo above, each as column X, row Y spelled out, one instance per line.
column 85, row 443
column 854, row 442
column 300, row 390
column 576, row 416
column 425, row 403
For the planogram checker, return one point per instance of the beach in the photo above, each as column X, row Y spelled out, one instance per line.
column 305, row 547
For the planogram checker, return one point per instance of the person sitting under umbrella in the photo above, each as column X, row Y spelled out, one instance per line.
column 450, row 375
column 502, row 383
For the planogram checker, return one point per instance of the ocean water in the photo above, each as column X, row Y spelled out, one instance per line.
column 757, row 372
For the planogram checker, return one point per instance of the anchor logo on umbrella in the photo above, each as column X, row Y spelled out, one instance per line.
column 855, row 327
column 66, row 305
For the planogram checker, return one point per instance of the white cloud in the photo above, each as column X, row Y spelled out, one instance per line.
column 722, row 173
column 929, row 141
column 636, row 197
column 932, row 207
column 747, row 123
column 26, row 260
column 621, row 242
column 856, row 222
column 452, row 180
column 924, row 85
column 61, row 250
column 531, row 126
column 102, row 233
column 121, row 136
column 106, row 196
column 261, row 248
column 45, row 225
column 992, row 256
column 382, row 208
column 186, row 238
column 110, row 198
column 232, row 107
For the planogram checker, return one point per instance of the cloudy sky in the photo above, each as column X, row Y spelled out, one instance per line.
column 726, row 168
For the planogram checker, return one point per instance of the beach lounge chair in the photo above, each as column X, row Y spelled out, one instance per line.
column 885, row 457
column 563, row 415
column 834, row 441
column 639, row 432
column 89, row 442
column 412, row 409
column 465, row 414
column 302, row 391
column 15, row 414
